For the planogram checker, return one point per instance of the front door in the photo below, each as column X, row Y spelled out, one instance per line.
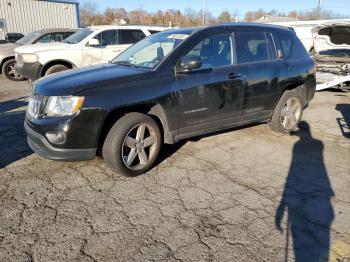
column 213, row 92
column 93, row 54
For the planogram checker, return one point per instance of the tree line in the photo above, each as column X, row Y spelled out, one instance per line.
column 90, row 15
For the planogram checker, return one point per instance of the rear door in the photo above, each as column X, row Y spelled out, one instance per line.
column 257, row 52
column 213, row 92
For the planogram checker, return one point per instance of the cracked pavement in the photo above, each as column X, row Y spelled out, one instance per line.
column 221, row 197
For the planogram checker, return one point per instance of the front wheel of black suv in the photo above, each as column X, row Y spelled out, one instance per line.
column 132, row 145
column 287, row 113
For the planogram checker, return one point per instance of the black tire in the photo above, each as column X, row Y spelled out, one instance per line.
column 277, row 120
column 55, row 69
column 115, row 146
column 8, row 71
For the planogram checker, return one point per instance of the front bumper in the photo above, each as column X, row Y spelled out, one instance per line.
column 42, row 147
column 31, row 71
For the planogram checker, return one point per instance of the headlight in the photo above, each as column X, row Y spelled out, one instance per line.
column 29, row 58
column 63, row 105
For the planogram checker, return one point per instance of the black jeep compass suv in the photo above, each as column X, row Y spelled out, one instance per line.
column 170, row 86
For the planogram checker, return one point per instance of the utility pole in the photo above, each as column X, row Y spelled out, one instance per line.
column 203, row 12
column 318, row 12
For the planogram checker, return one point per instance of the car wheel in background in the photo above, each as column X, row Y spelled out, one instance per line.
column 287, row 113
column 55, row 69
column 8, row 70
column 133, row 144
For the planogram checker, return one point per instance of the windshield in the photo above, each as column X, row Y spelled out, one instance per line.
column 152, row 50
column 78, row 36
column 29, row 38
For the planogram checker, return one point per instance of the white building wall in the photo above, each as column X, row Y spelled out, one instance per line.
column 25, row 16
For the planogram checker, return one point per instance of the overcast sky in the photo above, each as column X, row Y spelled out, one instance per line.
column 216, row 6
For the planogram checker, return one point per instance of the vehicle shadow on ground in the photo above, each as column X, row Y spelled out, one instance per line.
column 13, row 143
column 344, row 122
column 307, row 198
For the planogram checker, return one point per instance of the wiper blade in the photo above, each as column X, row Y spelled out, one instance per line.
column 124, row 63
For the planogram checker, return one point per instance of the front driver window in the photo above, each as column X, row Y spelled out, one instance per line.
column 215, row 51
column 108, row 37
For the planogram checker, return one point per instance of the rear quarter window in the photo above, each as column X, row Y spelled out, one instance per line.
column 291, row 46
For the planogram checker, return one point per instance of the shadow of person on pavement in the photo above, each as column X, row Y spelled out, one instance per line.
column 307, row 197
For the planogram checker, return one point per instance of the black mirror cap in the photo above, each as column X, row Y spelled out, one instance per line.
column 189, row 63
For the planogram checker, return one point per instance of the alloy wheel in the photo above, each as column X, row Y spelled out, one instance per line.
column 291, row 113
column 139, row 146
column 12, row 73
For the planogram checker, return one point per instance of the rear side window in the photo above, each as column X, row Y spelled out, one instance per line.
column 291, row 46
column 256, row 47
column 286, row 42
column 127, row 36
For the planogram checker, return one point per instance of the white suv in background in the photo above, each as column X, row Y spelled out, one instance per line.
column 88, row 46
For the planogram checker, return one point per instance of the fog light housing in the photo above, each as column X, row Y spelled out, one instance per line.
column 58, row 137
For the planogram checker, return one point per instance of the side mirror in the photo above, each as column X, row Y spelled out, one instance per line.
column 189, row 63
column 94, row 42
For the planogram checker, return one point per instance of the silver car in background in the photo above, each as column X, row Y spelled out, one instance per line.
column 7, row 54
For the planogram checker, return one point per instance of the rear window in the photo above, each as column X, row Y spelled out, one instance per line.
column 256, row 47
column 291, row 46
column 127, row 36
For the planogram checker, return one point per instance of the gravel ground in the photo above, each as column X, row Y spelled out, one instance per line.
column 247, row 194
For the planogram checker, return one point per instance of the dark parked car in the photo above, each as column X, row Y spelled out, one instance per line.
column 171, row 86
column 11, row 38
column 7, row 53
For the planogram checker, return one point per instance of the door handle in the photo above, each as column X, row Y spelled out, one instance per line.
column 116, row 51
column 233, row 76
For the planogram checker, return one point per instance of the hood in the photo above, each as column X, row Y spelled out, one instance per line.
column 7, row 49
column 331, row 36
column 30, row 49
column 71, row 82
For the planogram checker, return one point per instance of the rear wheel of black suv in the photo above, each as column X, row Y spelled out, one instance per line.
column 132, row 145
column 287, row 113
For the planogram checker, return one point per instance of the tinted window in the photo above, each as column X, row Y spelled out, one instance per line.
column 48, row 38
column 338, row 35
column 215, row 51
column 108, row 37
column 2, row 24
column 286, row 42
column 130, row 36
column 153, row 32
column 256, row 47
column 68, row 34
column 78, row 36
